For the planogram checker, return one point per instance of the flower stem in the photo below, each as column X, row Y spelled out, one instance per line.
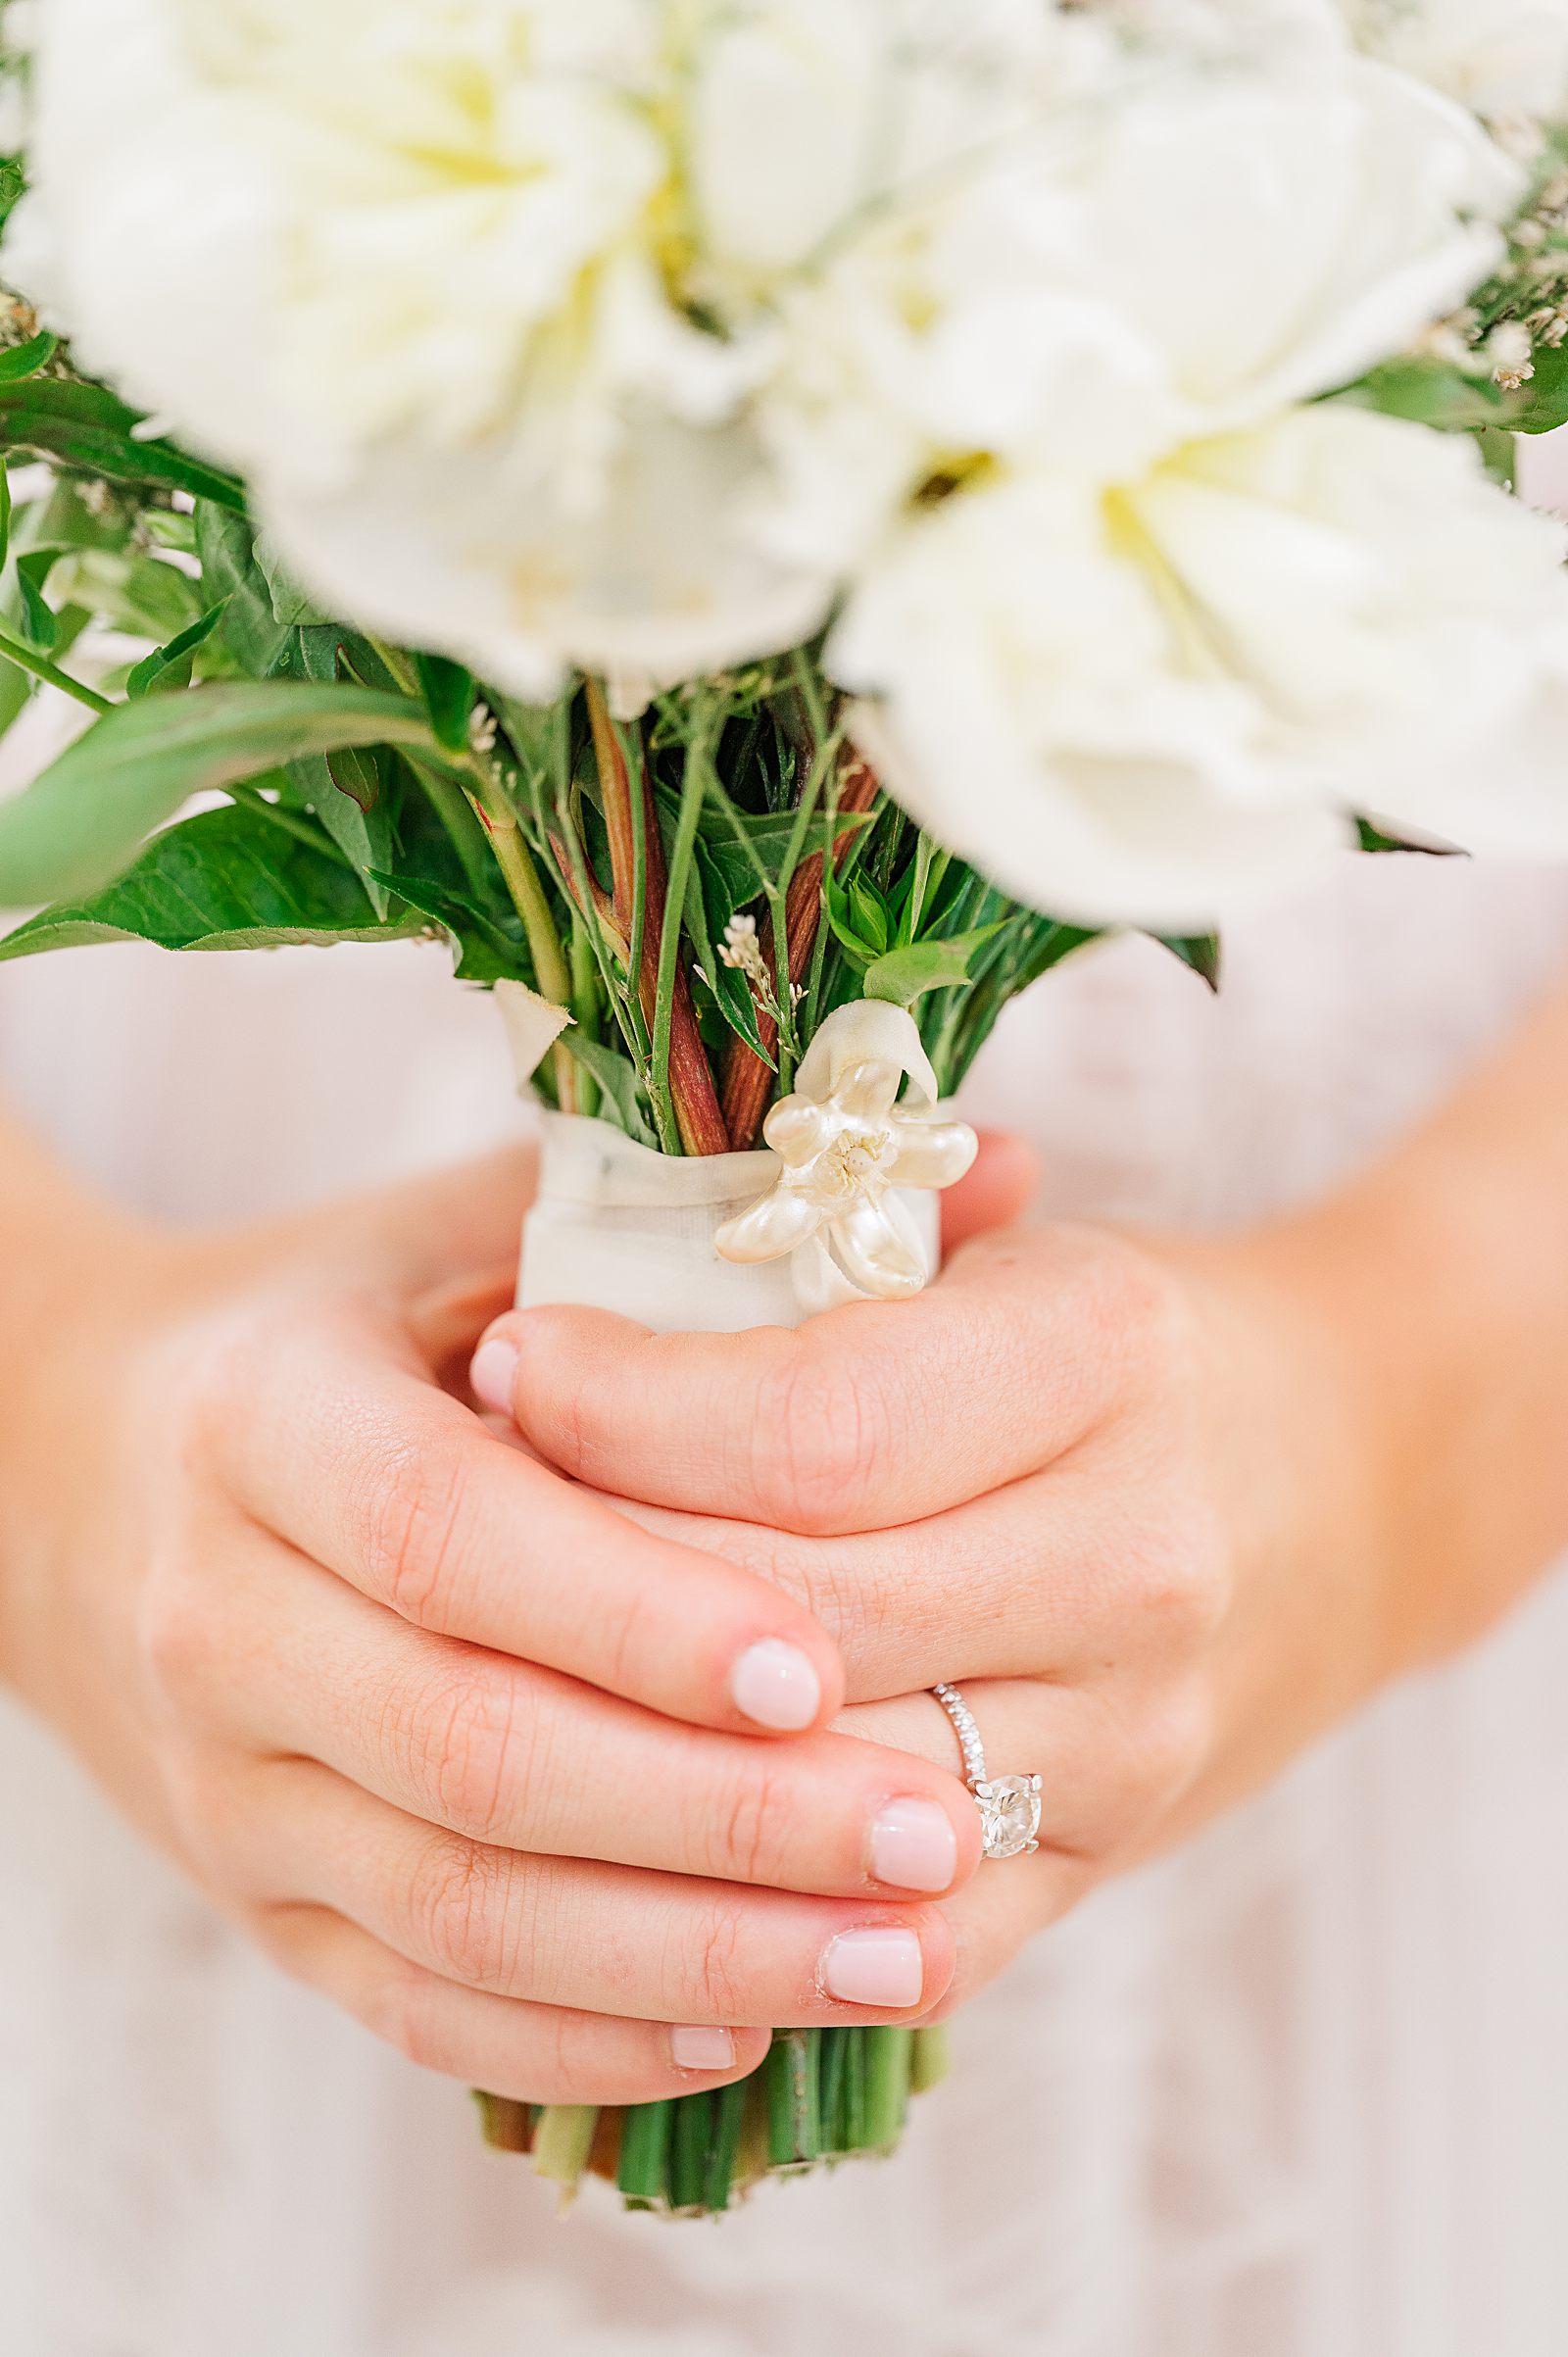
column 794, row 2123
column 645, row 907
column 563, row 2143
column 646, row 2130
column 888, row 2055
column 723, row 2150
column 520, row 876
column 688, row 2153
column 748, row 1079
column 40, row 668
column 932, row 2058
column 507, row 2127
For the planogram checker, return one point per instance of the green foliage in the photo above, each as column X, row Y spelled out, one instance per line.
column 615, row 1076
column 92, row 432
column 905, row 975
column 375, row 793
column 76, row 825
column 170, row 667
column 225, row 880
column 1200, row 951
column 26, row 360
column 448, row 691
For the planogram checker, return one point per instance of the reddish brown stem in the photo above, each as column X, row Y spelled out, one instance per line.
column 692, row 1092
column 748, row 1080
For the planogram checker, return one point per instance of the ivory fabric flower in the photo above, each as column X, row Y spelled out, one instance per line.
column 845, row 1145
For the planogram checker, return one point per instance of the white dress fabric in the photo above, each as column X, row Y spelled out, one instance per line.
column 1299, row 2092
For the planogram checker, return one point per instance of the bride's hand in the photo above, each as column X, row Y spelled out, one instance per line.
column 443, row 1733
column 1123, row 1491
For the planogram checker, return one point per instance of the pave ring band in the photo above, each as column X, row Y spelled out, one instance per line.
column 1008, row 1805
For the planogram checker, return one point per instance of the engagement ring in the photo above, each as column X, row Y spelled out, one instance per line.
column 1008, row 1805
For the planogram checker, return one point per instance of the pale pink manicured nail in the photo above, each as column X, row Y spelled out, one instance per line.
column 703, row 2049
column 881, row 1968
column 913, row 1846
column 494, row 1372
column 775, row 1685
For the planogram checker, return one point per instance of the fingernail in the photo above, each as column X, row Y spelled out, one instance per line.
column 703, row 2049
column 494, row 1372
column 881, row 1968
column 913, row 1846
column 775, row 1685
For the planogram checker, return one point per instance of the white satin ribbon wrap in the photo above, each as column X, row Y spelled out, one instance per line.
column 720, row 1243
column 617, row 1226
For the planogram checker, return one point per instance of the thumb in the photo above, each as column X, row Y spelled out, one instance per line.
column 997, row 1190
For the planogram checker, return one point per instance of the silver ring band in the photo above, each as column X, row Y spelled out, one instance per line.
column 1008, row 1805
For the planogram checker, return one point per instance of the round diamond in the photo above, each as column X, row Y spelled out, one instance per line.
column 1009, row 1814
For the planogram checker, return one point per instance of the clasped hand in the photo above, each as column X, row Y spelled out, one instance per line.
column 576, row 1746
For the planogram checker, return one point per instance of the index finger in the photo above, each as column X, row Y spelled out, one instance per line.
column 367, row 1468
column 866, row 1418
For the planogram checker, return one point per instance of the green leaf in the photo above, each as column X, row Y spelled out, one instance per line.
column 448, row 691
column 25, row 360
column 346, row 791
column 226, row 880
column 485, row 951
column 735, row 1004
column 1373, row 839
column 617, row 1079
column 40, row 625
column 710, row 909
column 291, row 607
column 734, row 863
column 251, row 631
column 1544, row 400
column 84, row 426
column 169, row 668
column 1199, row 951
column 80, row 823
column 1436, row 393
column 905, row 975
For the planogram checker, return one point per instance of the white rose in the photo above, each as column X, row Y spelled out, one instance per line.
column 1156, row 704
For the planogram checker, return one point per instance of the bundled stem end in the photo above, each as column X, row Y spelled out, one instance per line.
column 821, row 2097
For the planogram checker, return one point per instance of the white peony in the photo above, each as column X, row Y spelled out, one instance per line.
column 406, row 263
column 477, row 292
column 1145, row 609
column 1501, row 56
column 1101, row 292
column 1159, row 702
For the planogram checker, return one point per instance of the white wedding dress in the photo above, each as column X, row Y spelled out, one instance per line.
column 1299, row 2093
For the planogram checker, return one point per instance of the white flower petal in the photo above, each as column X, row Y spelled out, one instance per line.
column 1154, row 707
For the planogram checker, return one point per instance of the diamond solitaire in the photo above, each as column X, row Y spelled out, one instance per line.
column 1008, row 1805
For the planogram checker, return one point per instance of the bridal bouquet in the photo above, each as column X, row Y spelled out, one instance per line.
column 764, row 525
